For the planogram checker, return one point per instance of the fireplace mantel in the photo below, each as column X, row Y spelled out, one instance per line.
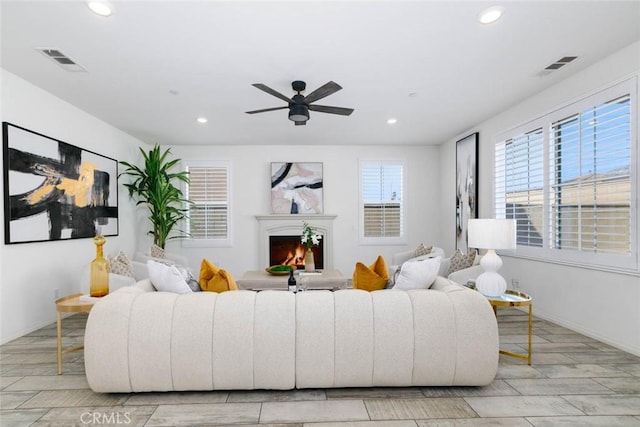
column 283, row 225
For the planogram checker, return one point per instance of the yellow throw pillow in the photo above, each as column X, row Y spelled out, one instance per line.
column 372, row 278
column 214, row 279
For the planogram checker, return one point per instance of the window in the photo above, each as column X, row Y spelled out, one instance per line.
column 519, row 162
column 382, row 210
column 569, row 178
column 208, row 192
column 590, row 179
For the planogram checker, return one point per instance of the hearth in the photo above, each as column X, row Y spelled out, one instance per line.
column 288, row 250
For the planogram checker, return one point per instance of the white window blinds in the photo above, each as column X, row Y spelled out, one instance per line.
column 590, row 176
column 208, row 192
column 519, row 185
column 382, row 199
column 570, row 178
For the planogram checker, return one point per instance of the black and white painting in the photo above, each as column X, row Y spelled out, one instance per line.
column 466, row 187
column 296, row 188
column 54, row 190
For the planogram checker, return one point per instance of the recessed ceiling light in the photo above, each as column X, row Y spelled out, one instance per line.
column 490, row 15
column 202, row 120
column 100, row 7
column 392, row 121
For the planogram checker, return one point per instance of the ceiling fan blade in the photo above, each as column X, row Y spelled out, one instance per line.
column 331, row 110
column 272, row 92
column 266, row 109
column 301, row 123
column 324, row 90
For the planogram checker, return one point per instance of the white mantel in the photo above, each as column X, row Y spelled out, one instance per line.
column 291, row 224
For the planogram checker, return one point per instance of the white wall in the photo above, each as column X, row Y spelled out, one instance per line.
column 600, row 304
column 250, row 187
column 30, row 272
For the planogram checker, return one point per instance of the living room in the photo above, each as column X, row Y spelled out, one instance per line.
column 601, row 303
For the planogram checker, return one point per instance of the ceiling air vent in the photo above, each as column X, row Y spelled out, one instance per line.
column 560, row 63
column 556, row 65
column 61, row 59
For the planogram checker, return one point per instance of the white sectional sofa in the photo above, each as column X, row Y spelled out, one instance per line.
column 138, row 340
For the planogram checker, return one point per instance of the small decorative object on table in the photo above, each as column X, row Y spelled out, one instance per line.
column 279, row 270
column 99, row 270
column 303, row 282
column 292, row 282
column 309, row 239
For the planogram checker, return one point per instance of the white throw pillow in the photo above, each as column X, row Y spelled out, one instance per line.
column 418, row 274
column 167, row 278
column 186, row 274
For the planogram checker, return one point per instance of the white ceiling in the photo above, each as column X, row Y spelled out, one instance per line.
column 155, row 66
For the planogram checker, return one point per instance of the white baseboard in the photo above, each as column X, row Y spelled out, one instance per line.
column 591, row 334
column 26, row 331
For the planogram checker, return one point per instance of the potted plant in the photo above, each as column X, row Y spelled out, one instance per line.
column 154, row 187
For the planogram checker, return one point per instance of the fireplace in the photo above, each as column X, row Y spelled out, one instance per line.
column 290, row 226
column 288, row 250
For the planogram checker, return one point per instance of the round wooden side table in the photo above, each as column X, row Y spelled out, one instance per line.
column 512, row 298
column 69, row 304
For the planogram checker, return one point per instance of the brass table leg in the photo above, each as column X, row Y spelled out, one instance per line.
column 527, row 356
column 59, row 343
column 530, row 328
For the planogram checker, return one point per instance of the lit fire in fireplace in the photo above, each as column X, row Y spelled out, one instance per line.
column 289, row 250
column 294, row 257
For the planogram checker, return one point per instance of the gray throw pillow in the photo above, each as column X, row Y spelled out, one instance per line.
column 458, row 261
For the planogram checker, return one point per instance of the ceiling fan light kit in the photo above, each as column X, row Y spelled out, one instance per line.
column 299, row 105
column 298, row 113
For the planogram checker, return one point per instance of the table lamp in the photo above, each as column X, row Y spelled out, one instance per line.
column 491, row 234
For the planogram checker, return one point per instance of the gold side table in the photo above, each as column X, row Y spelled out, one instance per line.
column 69, row 304
column 513, row 298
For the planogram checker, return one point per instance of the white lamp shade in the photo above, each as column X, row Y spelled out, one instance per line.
column 489, row 233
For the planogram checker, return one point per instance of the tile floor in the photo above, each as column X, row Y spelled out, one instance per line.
column 574, row 381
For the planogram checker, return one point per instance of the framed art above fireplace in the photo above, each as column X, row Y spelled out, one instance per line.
column 296, row 188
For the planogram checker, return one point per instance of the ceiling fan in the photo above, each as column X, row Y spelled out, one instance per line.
column 299, row 105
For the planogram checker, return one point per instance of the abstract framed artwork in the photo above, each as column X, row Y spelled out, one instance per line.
column 466, row 187
column 54, row 190
column 296, row 188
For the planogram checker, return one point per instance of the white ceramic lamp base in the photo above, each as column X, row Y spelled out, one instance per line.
column 490, row 283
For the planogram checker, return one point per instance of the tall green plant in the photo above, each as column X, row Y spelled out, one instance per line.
column 153, row 186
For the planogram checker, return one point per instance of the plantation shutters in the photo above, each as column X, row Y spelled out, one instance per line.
column 520, row 185
column 569, row 178
column 590, row 175
column 382, row 199
column 208, row 191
